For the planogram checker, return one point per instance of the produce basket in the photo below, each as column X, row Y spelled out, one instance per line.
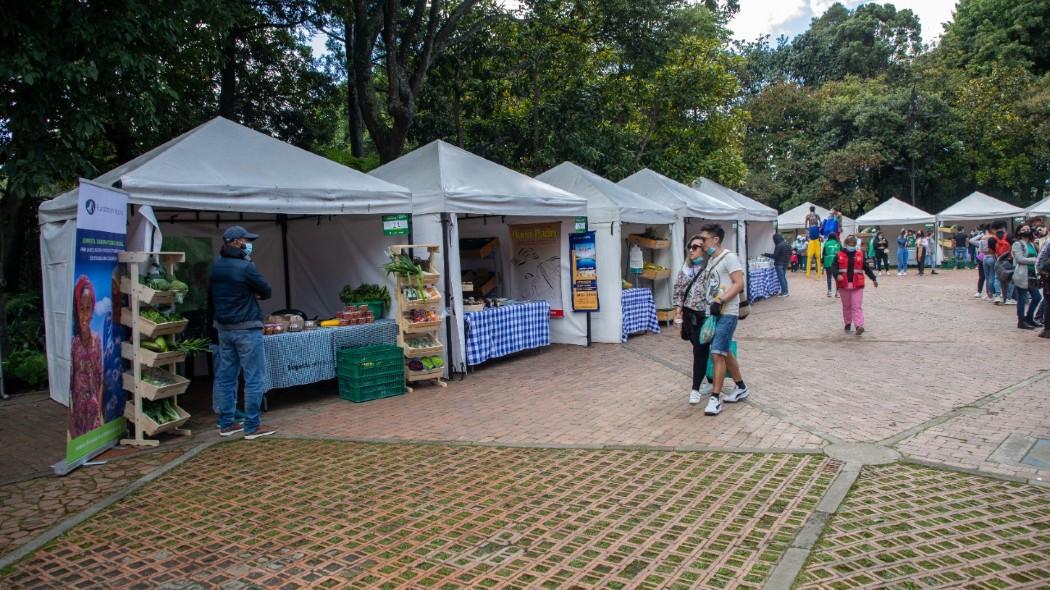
column 656, row 275
column 150, row 358
column 151, row 329
column 423, row 351
column 368, row 361
column 422, row 327
column 148, row 426
column 413, row 376
column 665, row 315
column 154, row 392
column 147, row 295
column 650, row 243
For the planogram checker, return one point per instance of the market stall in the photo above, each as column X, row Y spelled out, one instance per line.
column 491, row 222
column 319, row 223
column 624, row 222
column 793, row 222
column 975, row 209
column 893, row 215
column 692, row 209
column 1040, row 208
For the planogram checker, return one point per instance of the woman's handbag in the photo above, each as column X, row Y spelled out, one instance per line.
column 707, row 331
column 689, row 318
column 745, row 307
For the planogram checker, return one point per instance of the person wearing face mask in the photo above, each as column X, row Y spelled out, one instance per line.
column 850, row 268
column 882, row 246
column 1025, row 278
column 690, row 312
column 234, row 290
column 831, row 250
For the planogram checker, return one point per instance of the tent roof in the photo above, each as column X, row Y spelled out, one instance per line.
column 606, row 200
column 224, row 166
column 796, row 218
column 446, row 179
column 978, row 205
column 686, row 202
column 755, row 211
column 1040, row 208
column 895, row 212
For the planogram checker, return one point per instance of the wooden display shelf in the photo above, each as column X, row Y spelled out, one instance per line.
column 664, row 315
column 152, row 329
column 415, row 353
column 414, row 376
column 473, row 308
column 147, row 295
column 418, row 303
column 154, row 392
column 152, row 359
column 477, row 247
column 151, row 428
column 486, row 288
column 649, row 243
column 421, row 327
column 656, row 275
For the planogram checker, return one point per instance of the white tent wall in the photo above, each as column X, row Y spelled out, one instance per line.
column 759, row 237
column 731, row 242
column 57, row 243
column 607, row 323
column 572, row 329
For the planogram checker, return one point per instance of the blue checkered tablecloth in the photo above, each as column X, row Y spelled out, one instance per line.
column 499, row 331
column 299, row 358
column 639, row 312
column 762, row 283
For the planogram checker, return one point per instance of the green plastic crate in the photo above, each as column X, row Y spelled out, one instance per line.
column 394, row 376
column 364, row 394
column 367, row 361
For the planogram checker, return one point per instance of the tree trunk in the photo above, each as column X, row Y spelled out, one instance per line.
column 354, row 125
column 228, row 77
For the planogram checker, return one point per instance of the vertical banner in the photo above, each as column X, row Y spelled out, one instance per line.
column 96, row 394
column 537, row 263
column 583, row 247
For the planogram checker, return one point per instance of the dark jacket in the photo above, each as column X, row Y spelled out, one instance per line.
column 781, row 251
column 232, row 290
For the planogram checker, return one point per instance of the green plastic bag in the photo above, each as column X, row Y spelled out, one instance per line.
column 707, row 330
column 711, row 361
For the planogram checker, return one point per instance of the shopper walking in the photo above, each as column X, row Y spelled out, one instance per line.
column 978, row 243
column 234, row 289
column 723, row 284
column 1043, row 266
column 690, row 313
column 831, row 250
column 850, row 268
column 902, row 253
column 1025, row 278
column 882, row 246
column 920, row 252
column 781, row 256
column 961, row 242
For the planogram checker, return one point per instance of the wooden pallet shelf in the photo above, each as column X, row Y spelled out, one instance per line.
column 408, row 328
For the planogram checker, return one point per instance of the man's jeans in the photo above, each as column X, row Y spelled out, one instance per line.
column 239, row 350
column 991, row 281
column 960, row 255
column 783, row 278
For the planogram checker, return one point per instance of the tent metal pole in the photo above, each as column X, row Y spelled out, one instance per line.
column 446, row 224
column 283, row 219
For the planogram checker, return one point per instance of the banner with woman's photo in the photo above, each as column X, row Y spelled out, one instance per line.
column 96, row 394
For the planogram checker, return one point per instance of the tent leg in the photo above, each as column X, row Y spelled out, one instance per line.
column 449, row 301
column 283, row 219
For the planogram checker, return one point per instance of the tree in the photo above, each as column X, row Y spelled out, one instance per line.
column 999, row 33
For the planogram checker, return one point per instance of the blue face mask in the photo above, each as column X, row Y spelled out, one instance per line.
column 851, row 248
column 248, row 248
column 711, row 251
column 698, row 260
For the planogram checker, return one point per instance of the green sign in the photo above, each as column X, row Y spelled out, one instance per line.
column 581, row 225
column 395, row 225
column 928, row 225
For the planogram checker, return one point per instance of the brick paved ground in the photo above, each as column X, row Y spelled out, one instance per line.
column 32, row 431
column 904, row 526
column 298, row 514
column 29, row 507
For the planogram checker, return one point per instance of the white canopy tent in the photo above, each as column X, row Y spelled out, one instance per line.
column 795, row 219
column 689, row 206
column 1040, row 208
column 221, row 174
column 759, row 223
column 978, row 206
column 624, row 212
column 892, row 215
column 458, row 194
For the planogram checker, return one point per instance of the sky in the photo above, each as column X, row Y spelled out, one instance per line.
column 792, row 17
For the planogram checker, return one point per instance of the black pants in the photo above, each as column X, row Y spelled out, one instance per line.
column 882, row 260
column 829, row 277
column 921, row 259
column 980, row 277
column 701, row 352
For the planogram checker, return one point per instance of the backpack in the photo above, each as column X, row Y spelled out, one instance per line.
column 1004, row 268
column 1002, row 246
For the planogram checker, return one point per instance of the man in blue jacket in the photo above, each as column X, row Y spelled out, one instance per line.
column 235, row 288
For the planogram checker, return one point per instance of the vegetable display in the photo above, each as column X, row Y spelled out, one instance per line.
column 158, row 378
column 403, row 265
column 364, row 293
column 158, row 317
column 161, row 411
column 192, row 346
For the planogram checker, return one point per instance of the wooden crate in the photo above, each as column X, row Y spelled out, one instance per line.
column 477, row 247
column 152, row 329
column 155, row 392
column 656, row 275
column 151, row 428
column 149, row 358
column 649, row 243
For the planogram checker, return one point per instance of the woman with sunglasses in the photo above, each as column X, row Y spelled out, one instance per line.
column 690, row 311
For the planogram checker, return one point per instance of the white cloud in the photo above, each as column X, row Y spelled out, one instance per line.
column 104, row 307
column 757, row 17
column 932, row 14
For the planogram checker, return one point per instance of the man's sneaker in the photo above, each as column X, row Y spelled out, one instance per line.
column 232, row 429
column 737, row 395
column 695, row 397
column 1011, row 302
column 262, row 430
column 714, row 406
column 997, row 301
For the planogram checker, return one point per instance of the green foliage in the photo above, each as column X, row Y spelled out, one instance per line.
column 28, row 366
column 989, row 34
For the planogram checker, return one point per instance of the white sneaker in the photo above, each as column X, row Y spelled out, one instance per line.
column 1011, row 302
column 977, row 295
column 695, row 397
column 737, row 395
column 714, row 406
column 706, row 388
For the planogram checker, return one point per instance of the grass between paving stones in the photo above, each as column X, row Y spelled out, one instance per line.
column 906, row 526
column 332, row 514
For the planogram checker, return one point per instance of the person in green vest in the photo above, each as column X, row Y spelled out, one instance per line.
column 830, row 252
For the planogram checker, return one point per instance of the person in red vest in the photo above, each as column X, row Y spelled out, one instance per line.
column 850, row 267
